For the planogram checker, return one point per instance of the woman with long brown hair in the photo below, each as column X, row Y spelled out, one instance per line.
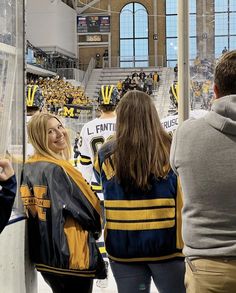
column 142, row 201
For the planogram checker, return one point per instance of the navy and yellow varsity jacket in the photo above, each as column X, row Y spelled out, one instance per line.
column 140, row 227
column 63, row 219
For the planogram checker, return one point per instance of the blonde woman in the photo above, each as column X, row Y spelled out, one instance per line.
column 142, row 201
column 63, row 212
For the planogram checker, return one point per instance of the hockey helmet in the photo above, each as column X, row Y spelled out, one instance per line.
column 34, row 96
column 108, row 95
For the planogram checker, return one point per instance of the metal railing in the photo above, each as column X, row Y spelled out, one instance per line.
column 88, row 72
column 137, row 61
column 71, row 73
column 126, row 61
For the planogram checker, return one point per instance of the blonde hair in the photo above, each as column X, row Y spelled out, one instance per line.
column 142, row 146
column 38, row 136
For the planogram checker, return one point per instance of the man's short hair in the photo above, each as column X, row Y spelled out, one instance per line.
column 225, row 74
column 107, row 108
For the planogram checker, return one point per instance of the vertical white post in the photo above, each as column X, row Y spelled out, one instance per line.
column 155, row 31
column 183, row 59
column 109, row 50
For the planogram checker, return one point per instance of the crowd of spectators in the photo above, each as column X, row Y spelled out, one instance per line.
column 201, row 84
column 139, row 81
column 54, row 93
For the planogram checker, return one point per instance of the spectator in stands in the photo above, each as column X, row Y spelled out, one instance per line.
column 224, row 50
column 127, row 82
column 134, row 74
column 105, row 59
column 176, row 71
column 136, row 79
column 7, row 192
column 142, row 75
column 142, row 201
column 63, row 212
column 203, row 153
column 149, row 84
column 119, row 86
column 133, row 85
column 97, row 57
column 156, row 79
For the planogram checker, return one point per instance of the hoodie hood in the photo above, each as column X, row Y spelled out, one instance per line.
column 223, row 115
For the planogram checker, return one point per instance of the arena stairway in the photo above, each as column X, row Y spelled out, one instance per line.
column 110, row 76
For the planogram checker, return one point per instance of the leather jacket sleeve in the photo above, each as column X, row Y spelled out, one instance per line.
column 7, row 196
column 68, row 196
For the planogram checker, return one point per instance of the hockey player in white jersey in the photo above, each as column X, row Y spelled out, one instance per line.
column 95, row 132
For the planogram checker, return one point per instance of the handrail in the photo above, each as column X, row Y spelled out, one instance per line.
column 71, row 73
column 88, row 72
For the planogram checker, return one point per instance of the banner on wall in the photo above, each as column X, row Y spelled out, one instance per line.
column 74, row 111
column 93, row 24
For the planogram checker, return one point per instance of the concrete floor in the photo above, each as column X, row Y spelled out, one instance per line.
column 44, row 288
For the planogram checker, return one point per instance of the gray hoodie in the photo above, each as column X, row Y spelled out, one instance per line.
column 203, row 154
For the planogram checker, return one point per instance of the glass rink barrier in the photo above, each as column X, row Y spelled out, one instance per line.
column 16, row 272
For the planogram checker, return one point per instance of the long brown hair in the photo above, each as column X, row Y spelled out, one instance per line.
column 38, row 136
column 142, row 146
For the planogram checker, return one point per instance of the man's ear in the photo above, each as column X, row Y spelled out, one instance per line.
column 216, row 92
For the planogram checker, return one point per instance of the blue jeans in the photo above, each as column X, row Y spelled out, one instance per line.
column 168, row 276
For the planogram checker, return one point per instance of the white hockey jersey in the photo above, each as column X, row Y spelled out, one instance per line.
column 92, row 136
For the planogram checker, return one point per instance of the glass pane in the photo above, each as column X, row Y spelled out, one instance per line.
column 171, row 26
column 221, row 24
column 192, row 48
column 141, row 64
column 220, row 43
column 7, row 83
column 128, row 7
column 126, row 48
column 221, row 5
column 232, row 25
column 232, row 5
column 232, row 43
column 126, row 24
column 141, row 49
column 171, row 63
column 171, row 7
column 192, row 25
column 141, row 23
column 8, row 22
column 192, row 6
column 137, row 7
column 171, row 49
column 126, row 64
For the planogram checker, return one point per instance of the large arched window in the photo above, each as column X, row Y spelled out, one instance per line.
column 134, row 36
column 225, row 25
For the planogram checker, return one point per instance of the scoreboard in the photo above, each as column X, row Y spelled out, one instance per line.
column 93, row 24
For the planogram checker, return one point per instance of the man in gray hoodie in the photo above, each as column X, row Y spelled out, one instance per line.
column 203, row 154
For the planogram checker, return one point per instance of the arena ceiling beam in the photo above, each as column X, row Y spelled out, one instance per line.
column 80, row 10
